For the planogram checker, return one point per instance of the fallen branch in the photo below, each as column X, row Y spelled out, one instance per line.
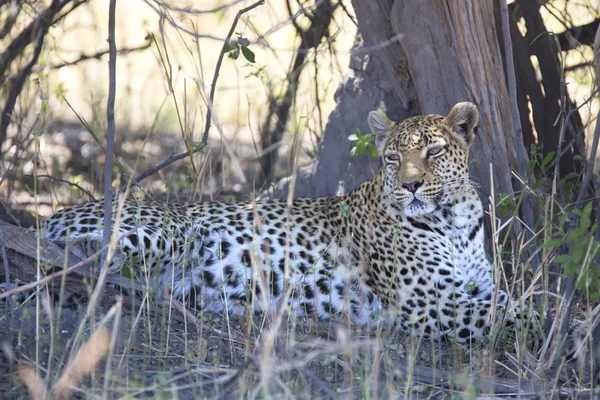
column 24, row 242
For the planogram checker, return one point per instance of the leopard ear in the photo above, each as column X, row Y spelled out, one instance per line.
column 380, row 125
column 462, row 121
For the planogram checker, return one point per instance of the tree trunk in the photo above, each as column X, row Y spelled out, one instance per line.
column 420, row 58
column 376, row 75
column 547, row 109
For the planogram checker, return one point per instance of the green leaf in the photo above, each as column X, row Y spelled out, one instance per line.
column 227, row 48
column 570, row 176
column 537, row 184
column 575, row 233
column 530, row 165
column 563, row 258
column 553, row 243
column 248, row 54
column 570, row 268
column 373, row 150
column 533, row 149
column 585, row 223
column 234, row 54
column 587, row 210
column 548, row 158
column 353, row 137
column 578, row 253
column 568, row 188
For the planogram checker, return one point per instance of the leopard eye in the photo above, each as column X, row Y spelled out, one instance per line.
column 435, row 151
column 392, row 158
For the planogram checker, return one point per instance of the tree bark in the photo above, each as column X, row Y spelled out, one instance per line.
column 447, row 52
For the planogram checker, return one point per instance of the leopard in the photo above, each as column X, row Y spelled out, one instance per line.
column 406, row 246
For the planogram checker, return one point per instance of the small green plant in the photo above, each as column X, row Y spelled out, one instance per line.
column 363, row 144
column 237, row 46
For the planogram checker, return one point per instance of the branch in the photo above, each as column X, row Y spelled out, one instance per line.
column 167, row 161
column 578, row 35
column 28, row 35
column 190, row 10
column 578, row 66
column 73, row 184
column 167, row 17
column 99, row 54
column 14, row 9
column 51, row 277
column 279, row 110
column 40, row 28
column 219, row 61
column 110, row 146
column 37, row 31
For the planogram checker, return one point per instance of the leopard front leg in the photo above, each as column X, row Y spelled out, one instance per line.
column 464, row 318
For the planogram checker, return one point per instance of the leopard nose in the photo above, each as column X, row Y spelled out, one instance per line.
column 412, row 186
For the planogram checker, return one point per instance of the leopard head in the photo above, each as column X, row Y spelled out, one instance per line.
column 425, row 158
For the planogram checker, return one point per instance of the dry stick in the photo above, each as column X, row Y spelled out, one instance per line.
column 171, row 159
column 73, row 184
column 98, row 55
column 167, row 17
column 48, row 278
column 193, row 11
column 110, row 144
column 220, row 61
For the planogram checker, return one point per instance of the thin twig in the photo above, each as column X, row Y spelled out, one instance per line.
column 167, row 161
column 219, row 62
column 190, row 10
column 110, row 143
column 99, row 55
column 279, row 109
column 90, row 195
